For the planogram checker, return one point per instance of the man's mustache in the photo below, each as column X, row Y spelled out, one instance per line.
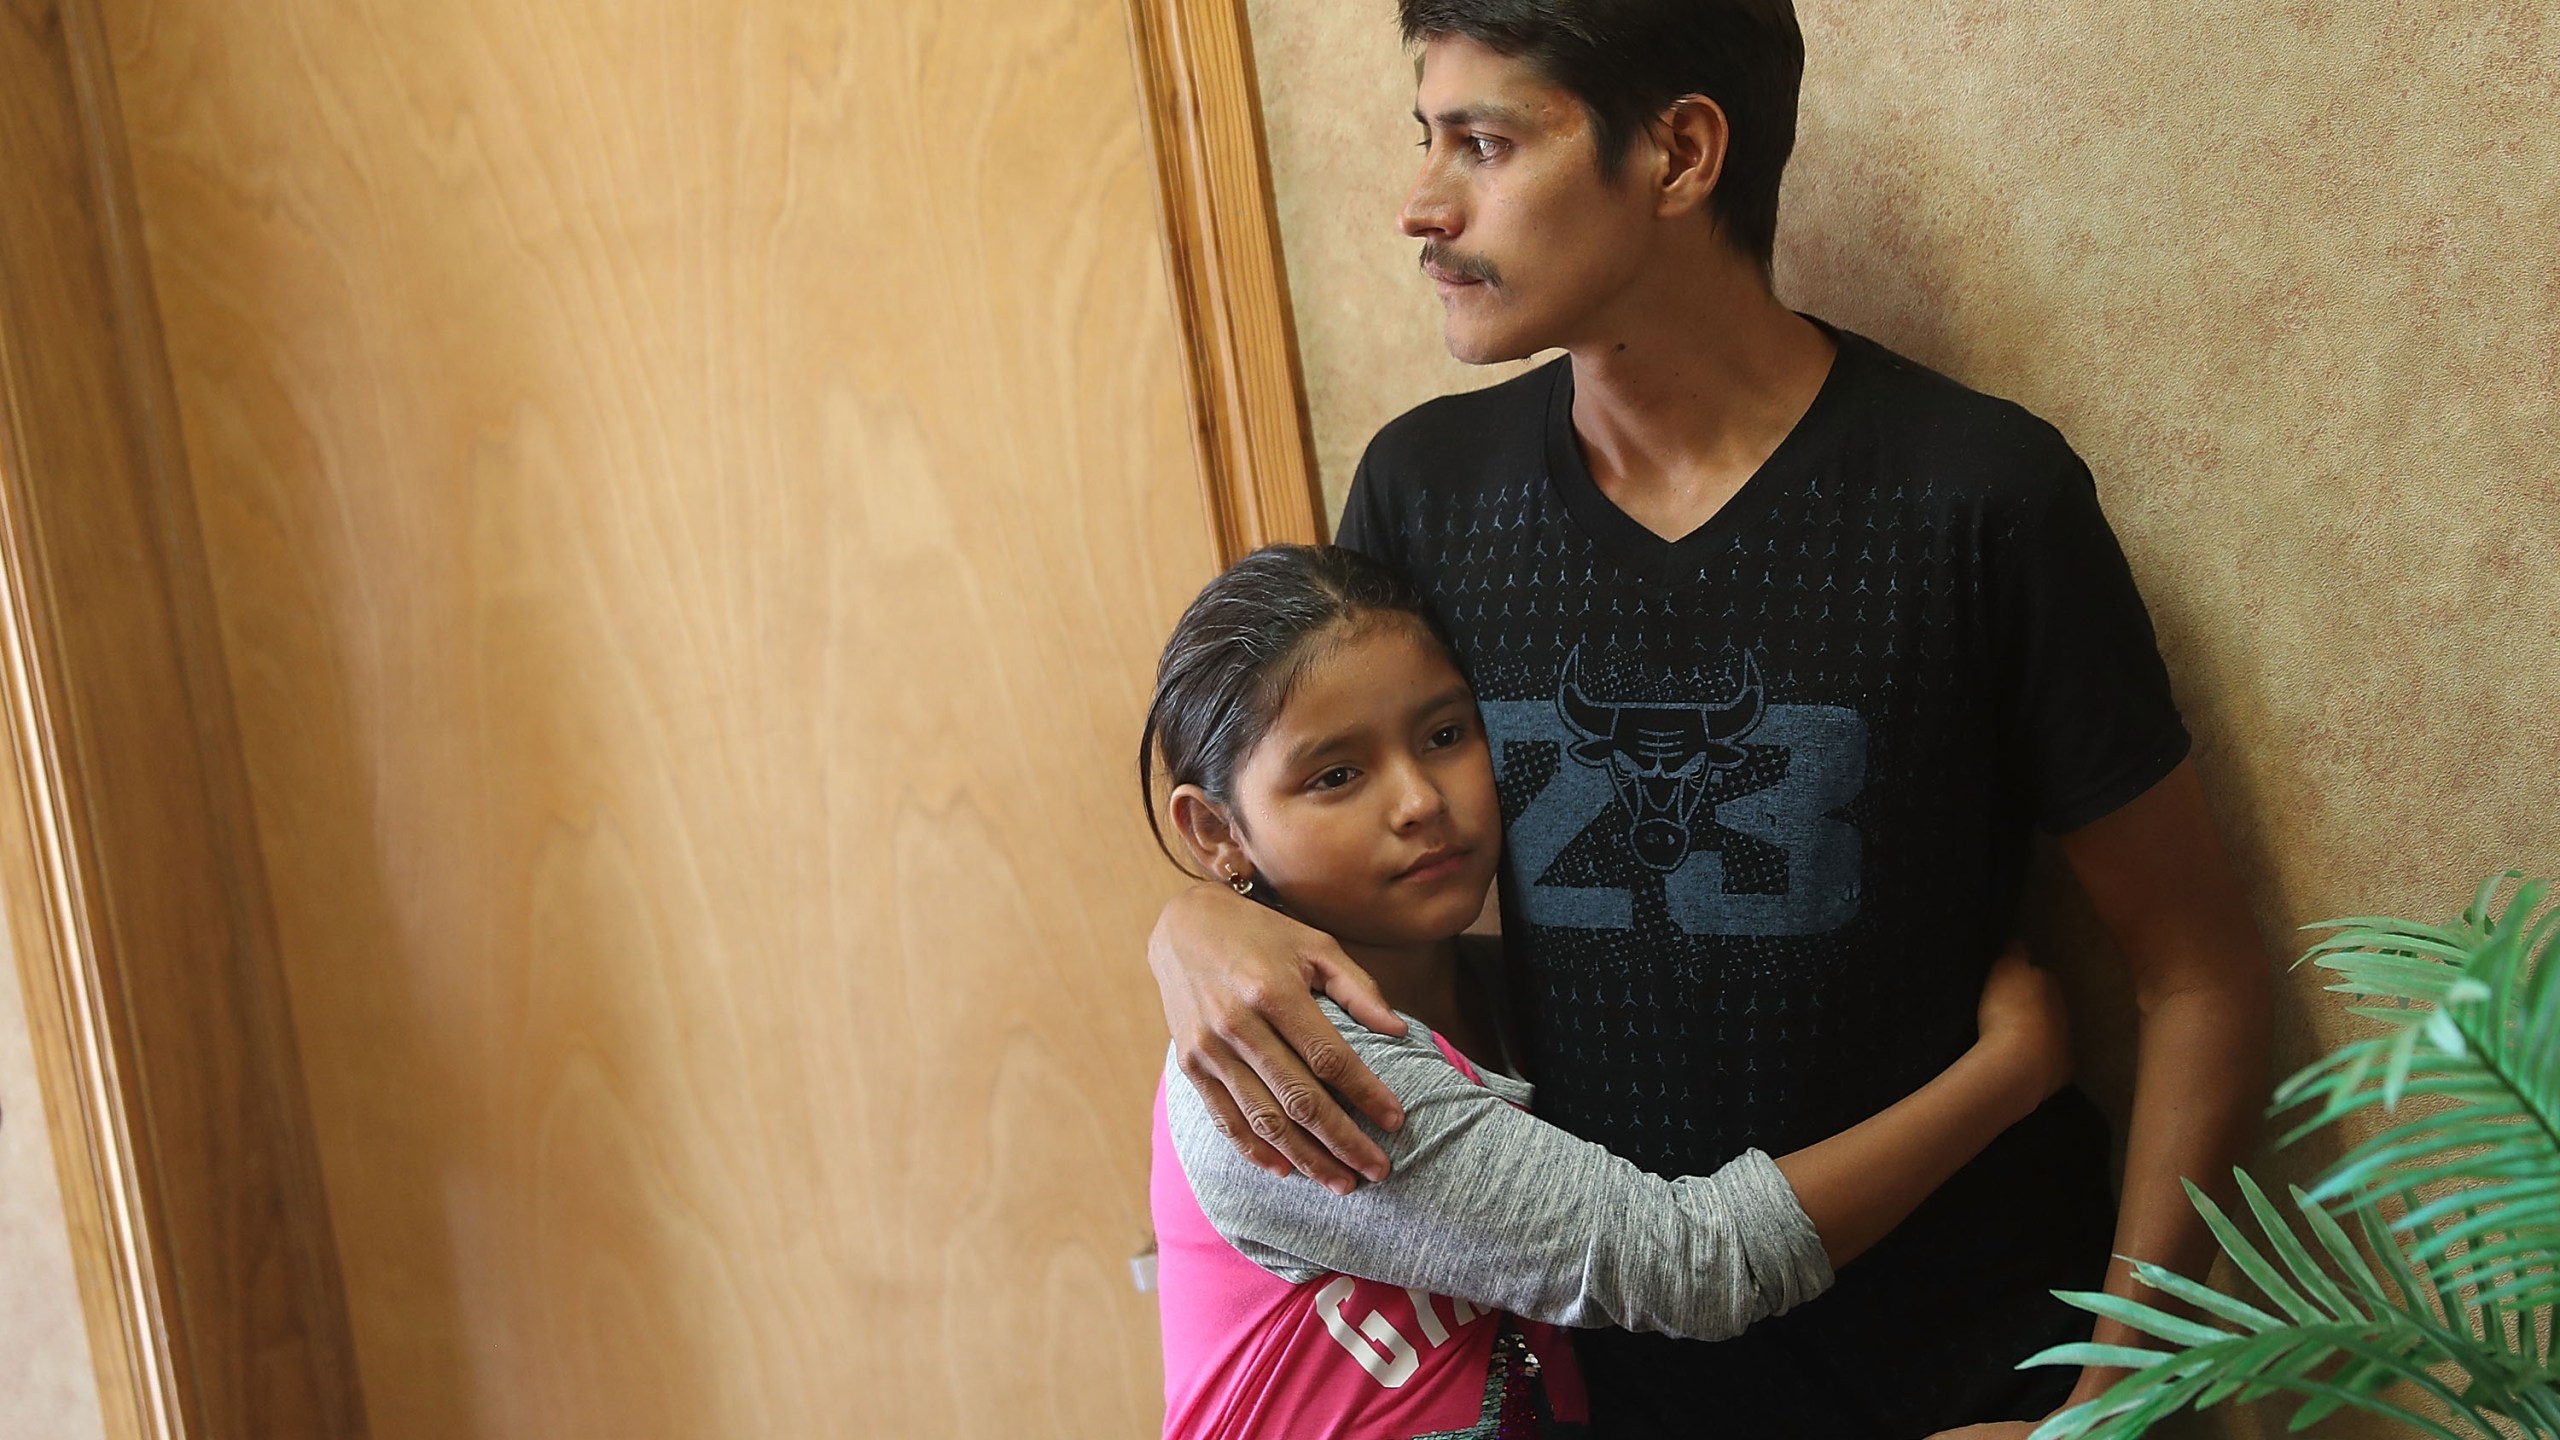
column 1436, row 256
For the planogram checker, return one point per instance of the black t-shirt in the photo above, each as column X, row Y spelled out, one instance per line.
column 1767, row 793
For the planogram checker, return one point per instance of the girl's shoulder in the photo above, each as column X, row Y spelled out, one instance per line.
column 1269, row 1218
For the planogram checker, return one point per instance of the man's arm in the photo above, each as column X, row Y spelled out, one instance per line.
column 1238, row 981
column 2160, row 879
column 1491, row 1204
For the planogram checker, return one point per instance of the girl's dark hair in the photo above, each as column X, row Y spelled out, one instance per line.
column 1626, row 60
column 1237, row 652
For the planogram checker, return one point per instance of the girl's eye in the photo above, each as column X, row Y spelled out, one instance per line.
column 1447, row 735
column 1335, row 778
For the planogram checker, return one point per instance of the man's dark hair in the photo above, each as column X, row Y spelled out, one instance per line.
column 1627, row 60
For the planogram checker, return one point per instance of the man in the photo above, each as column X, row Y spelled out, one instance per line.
column 1784, row 644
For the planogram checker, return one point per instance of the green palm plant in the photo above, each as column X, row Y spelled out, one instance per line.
column 2436, row 1312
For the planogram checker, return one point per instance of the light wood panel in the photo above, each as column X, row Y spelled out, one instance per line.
column 693, row 494
column 135, row 904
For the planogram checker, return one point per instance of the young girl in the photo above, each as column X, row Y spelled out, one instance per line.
column 1324, row 756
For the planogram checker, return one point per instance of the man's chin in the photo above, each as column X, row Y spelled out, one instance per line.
column 1469, row 347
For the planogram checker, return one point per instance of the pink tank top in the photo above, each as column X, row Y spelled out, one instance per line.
column 1248, row 1354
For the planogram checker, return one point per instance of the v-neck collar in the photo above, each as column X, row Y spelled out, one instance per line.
column 1799, row 457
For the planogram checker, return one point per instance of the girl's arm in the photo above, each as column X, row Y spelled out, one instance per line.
column 1489, row 1203
column 1860, row 1183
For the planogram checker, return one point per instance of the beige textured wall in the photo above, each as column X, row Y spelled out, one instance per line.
column 2284, row 274
column 47, row 1389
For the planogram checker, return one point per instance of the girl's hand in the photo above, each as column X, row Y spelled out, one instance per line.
column 2022, row 1021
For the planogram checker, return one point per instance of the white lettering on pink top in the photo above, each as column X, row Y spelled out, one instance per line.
column 1249, row 1354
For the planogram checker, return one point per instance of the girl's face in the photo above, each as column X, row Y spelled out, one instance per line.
column 1369, row 806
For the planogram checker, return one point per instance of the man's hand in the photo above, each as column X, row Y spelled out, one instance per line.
column 1238, row 982
column 1994, row 1430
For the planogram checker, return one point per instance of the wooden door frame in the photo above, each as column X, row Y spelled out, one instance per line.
column 1203, row 117
column 129, row 865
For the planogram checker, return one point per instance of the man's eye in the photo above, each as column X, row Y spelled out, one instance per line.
column 1447, row 735
column 1483, row 147
column 1335, row 778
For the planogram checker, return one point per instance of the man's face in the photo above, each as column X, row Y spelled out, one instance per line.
column 1524, row 240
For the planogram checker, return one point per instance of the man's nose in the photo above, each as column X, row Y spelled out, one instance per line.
column 1427, row 212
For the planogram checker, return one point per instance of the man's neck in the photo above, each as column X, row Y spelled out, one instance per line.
column 1687, row 385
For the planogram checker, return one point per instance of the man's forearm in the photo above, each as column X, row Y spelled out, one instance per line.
column 2199, row 1090
column 2159, row 877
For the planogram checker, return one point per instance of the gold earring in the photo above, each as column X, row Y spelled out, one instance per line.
column 1241, row 884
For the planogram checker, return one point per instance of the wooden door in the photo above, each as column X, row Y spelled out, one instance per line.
column 692, row 493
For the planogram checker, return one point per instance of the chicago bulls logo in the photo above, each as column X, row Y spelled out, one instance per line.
column 1660, row 758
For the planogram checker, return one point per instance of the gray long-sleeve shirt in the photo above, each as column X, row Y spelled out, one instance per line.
column 1490, row 1204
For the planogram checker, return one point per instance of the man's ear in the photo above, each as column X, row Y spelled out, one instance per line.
column 1690, row 140
column 1209, row 833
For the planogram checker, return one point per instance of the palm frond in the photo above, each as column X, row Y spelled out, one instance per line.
column 2474, row 1032
column 2441, row 1319
column 2361, row 1337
